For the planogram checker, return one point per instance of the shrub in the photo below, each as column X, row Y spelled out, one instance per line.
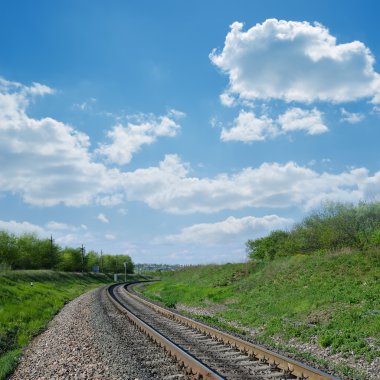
column 334, row 226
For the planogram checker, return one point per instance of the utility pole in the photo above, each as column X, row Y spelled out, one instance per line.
column 51, row 248
column 101, row 261
column 82, row 254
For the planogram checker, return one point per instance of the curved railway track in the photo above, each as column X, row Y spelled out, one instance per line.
column 205, row 352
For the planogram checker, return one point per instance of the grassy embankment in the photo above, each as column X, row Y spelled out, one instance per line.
column 25, row 309
column 329, row 299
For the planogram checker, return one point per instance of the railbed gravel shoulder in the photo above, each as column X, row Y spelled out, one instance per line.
column 91, row 339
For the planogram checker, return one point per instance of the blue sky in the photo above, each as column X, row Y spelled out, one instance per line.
column 175, row 130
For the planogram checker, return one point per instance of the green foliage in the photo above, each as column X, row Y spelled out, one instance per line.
column 8, row 363
column 27, row 251
column 8, row 248
column 35, row 253
column 332, row 227
column 275, row 244
column 25, row 309
column 71, row 260
column 374, row 238
column 115, row 264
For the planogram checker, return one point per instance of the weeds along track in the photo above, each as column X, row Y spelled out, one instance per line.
column 205, row 352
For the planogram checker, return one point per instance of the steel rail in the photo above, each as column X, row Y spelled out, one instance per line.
column 188, row 362
column 287, row 365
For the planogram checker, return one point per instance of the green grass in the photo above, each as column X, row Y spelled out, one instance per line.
column 25, row 309
column 332, row 299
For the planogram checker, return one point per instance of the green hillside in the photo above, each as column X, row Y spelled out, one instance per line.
column 329, row 299
column 28, row 300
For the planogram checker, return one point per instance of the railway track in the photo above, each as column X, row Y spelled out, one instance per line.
column 205, row 352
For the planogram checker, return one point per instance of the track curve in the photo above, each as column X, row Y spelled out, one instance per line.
column 203, row 351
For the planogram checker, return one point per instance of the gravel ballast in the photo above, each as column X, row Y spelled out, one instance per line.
column 91, row 339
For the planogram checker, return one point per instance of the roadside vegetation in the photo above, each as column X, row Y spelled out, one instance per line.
column 29, row 300
column 332, row 227
column 316, row 285
column 37, row 277
column 27, row 251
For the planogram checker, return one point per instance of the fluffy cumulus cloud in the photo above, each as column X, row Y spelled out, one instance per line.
column 63, row 234
column 127, row 140
column 295, row 61
column 230, row 228
column 18, row 228
column 170, row 187
column 297, row 119
column 46, row 161
column 248, row 127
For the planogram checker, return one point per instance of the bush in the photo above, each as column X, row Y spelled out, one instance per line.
column 334, row 226
column 276, row 244
column 27, row 251
column 374, row 239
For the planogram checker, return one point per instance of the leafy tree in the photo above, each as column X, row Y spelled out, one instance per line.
column 333, row 226
column 27, row 257
column 374, row 238
column 27, row 251
column 268, row 247
column 115, row 263
column 92, row 259
column 71, row 260
column 8, row 250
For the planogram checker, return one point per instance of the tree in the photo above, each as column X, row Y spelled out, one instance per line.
column 8, row 249
column 333, row 226
column 28, row 251
column 71, row 260
column 268, row 247
column 115, row 263
column 92, row 259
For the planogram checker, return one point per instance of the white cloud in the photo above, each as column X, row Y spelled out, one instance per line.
column 47, row 162
column 169, row 187
column 247, row 127
column 39, row 89
column 44, row 160
column 230, row 229
column 227, row 99
column 57, row 226
column 176, row 114
column 110, row 200
column 110, row 237
column 295, row 61
column 63, row 234
column 86, row 105
column 73, row 239
column 18, row 228
column 296, row 119
column 102, row 218
column 351, row 117
column 127, row 140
